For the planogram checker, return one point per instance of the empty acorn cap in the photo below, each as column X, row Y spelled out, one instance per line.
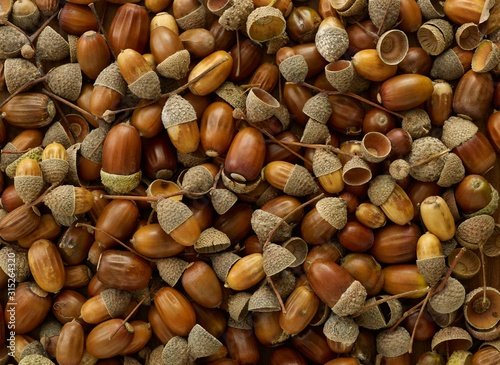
column 34, row 153
column 331, row 42
column 232, row 94
column 341, row 329
column 120, row 184
column 485, row 57
column 265, row 23
column 356, row 172
column 384, row 13
column 451, row 339
column 51, row 46
column 57, row 133
column 18, row 72
column 475, row 231
column 447, row 66
column 294, row 68
column 28, row 187
column 260, row 105
column 275, row 44
column 112, row 78
column 298, row 247
column 264, row 300
column 176, row 351
column 222, row 200
column 325, row 162
column 177, row 110
column 171, row 269
column 457, row 130
column 417, row 122
column 276, row 258
column 449, row 299
column 468, row 36
column 22, row 271
column 201, row 343
column 340, row 74
column 222, row 262
column 212, row 240
column 35, row 359
column 236, row 16
column 318, row 108
column 300, row 182
column 431, row 9
column 351, row 300
column 460, row 357
column 392, row 46
column 116, row 301
column 482, row 315
column 435, row 36
column 432, row 269
column 175, row 66
column 66, row 81
column 423, row 148
column 467, row 266
column 375, row 319
column 238, row 305
column 315, row 132
column 393, row 343
column 375, row 147
column 381, row 189
column 7, row 158
column 147, row 86
column 195, row 19
column 453, row 171
column 264, row 222
column 283, row 115
column 333, row 210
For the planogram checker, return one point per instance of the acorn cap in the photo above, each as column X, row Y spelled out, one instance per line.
column 451, row 339
column 393, row 343
column 22, row 271
column 34, row 153
column 457, row 130
column 435, row 36
column 212, row 240
column 195, row 19
column 375, row 319
column 196, row 179
column 28, row 187
column 35, row 359
column 175, row 66
column 432, row 269
column 112, row 78
column 201, row 343
column 299, row 249
column 147, row 86
column 127, row 360
column 340, row 74
column 72, row 177
column 232, row 94
column 7, row 158
column 331, row 42
column 177, row 110
column 325, row 162
column 66, row 81
column 453, row 171
column 275, row 44
column 318, row 108
column 171, row 269
column 485, row 57
column 120, row 184
column 91, row 147
column 384, row 13
column 18, row 72
column 417, row 122
column 154, row 357
column 490, row 208
column 284, row 282
column 217, row 8
column 283, row 115
column 315, row 132
column 447, row 66
column 66, row 220
column 222, row 200
column 482, row 316
column 264, row 300
column 57, row 133
column 172, row 213
column 294, row 69
column 276, row 258
column 468, row 36
column 72, row 42
column 423, row 148
column 245, row 324
column 467, row 266
column 236, row 16
column 357, row 8
column 381, row 189
column 399, row 169
column 300, row 182
column 264, row 222
column 460, row 357
column 392, row 46
column 356, row 172
column 260, row 105
column 176, row 351
column 11, row 42
column 61, row 200
column 222, row 262
column 265, row 23
column 475, row 231
column 431, row 9
column 351, row 300
column 443, row 320
column 116, row 301
column 238, row 305
column 26, row 21
column 333, row 210
column 33, row 348
column 375, row 147
column 449, row 299
column 50, row 328
column 341, row 329
column 270, row 193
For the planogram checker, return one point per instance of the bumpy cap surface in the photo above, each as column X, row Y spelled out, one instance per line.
column 294, row 68
column 449, row 299
column 300, row 182
column 393, row 343
column 318, row 107
column 457, row 130
column 176, row 351
column 334, row 211
column 212, row 240
column 276, row 258
column 341, row 329
column 264, row 222
column 51, row 46
column 422, row 149
column 381, row 189
column 325, row 162
column 201, row 343
column 172, row 213
column 112, row 78
column 171, row 269
column 177, row 110
column 351, row 300
column 331, row 42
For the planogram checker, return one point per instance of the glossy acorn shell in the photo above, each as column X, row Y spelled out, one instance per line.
column 101, row 345
column 121, row 35
column 76, row 19
column 121, row 153
column 118, row 219
column 214, row 78
column 242, row 345
column 175, row 310
column 202, row 285
column 246, row 154
column 401, row 278
column 46, row 265
column 395, row 243
column 123, row 270
column 217, row 128
column 404, row 92
column 467, row 102
column 159, row 157
column 93, row 54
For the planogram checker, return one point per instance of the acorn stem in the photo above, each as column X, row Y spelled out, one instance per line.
column 430, row 158
column 248, row 86
column 420, row 312
column 483, row 269
column 324, row 146
column 155, row 198
column 383, row 300
column 384, row 18
column 273, row 231
column 237, row 73
column 85, row 225
column 280, row 300
column 42, row 27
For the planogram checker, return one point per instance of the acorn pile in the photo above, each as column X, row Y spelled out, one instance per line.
column 242, row 182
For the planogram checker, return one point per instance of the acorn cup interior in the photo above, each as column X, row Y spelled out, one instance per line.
column 242, row 181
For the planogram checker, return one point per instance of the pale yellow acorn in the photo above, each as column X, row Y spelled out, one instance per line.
column 437, row 218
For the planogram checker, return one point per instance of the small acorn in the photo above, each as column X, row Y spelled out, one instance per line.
column 69, row 200
column 11, row 42
column 178, row 221
column 54, row 163
column 180, row 121
column 431, row 261
column 28, row 181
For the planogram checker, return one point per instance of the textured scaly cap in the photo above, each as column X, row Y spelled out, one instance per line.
column 171, row 269
column 490, row 208
column 177, row 110
column 264, row 300
column 333, row 210
column 176, row 351
column 147, row 86
column 432, row 268
column 457, row 335
column 447, row 66
column 57, row 133
column 294, row 69
column 351, row 300
column 318, row 108
column 284, row 282
column 381, row 189
column 66, row 81
column 116, row 301
column 51, row 46
column 457, row 130
column 197, row 179
column 325, row 162
column 451, row 298
column 18, row 72
column 375, row 319
column 236, row 16
column 201, row 343
column 222, row 262
column 399, row 169
column 300, row 182
column 222, row 200
column 453, row 171
column 276, row 258
column 35, row 359
column 172, row 213
column 34, row 153
column 22, row 271
column 112, row 78
column 417, row 122
column 475, row 231
column 384, row 13
column 393, row 343
column 232, row 94
column 238, row 305
column 264, row 222
column 423, row 148
column 315, row 132
column 175, row 66
column 341, row 329
column 195, row 19
column 28, row 187
column 299, row 249
column 212, row 240
column 11, row 42
column 331, row 42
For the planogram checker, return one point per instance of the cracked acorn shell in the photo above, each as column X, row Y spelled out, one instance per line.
column 69, row 200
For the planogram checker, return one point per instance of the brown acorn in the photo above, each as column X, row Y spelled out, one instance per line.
column 54, row 163
column 19, row 222
column 109, row 88
column 178, row 221
column 41, row 110
column 142, row 81
column 70, row 337
column 28, row 181
column 110, row 303
column 214, row 78
column 93, row 54
column 397, row 93
column 69, row 200
column 293, row 179
column 77, row 19
column 246, row 272
column 171, row 58
column 46, row 265
column 175, row 310
column 122, row 36
column 101, row 345
column 123, row 270
column 430, row 258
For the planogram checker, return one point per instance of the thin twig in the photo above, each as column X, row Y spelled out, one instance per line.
column 278, row 295
column 386, row 299
column 101, row 29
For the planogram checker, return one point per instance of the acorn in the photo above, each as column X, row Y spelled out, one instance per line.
column 28, row 181
column 430, row 258
column 449, row 299
column 401, row 278
column 71, row 337
column 324, row 220
column 475, row 231
column 101, row 345
column 110, row 303
column 171, row 58
column 180, row 121
column 263, row 223
column 20, row 222
column 212, row 240
column 421, row 150
column 93, row 54
column 76, row 19
column 12, row 40
column 18, row 72
column 341, row 330
column 175, row 310
column 397, row 93
column 54, row 163
column 109, row 89
column 202, row 285
column 246, row 272
column 198, row 179
column 178, row 221
column 451, row 64
column 235, row 16
column 223, row 63
column 437, row 218
column 69, row 200
column 293, row 179
column 370, row 215
column 375, row 319
column 391, row 198
column 123, row 270
column 301, row 305
column 122, row 36
column 263, row 300
column 22, row 270
column 393, row 343
column 142, row 81
column 41, row 110
column 435, row 36
column 462, row 12
column 331, row 39
column 46, row 265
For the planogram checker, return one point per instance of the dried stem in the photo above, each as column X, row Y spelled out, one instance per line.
column 323, row 146
column 384, row 18
column 422, row 307
column 101, row 29
column 278, row 295
column 430, row 158
column 386, row 299
column 483, row 269
column 238, row 60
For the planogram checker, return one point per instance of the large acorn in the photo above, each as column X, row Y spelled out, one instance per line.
column 171, row 58
column 140, row 77
column 121, row 159
column 324, row 220
column 28, row 181
column 69, row 200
